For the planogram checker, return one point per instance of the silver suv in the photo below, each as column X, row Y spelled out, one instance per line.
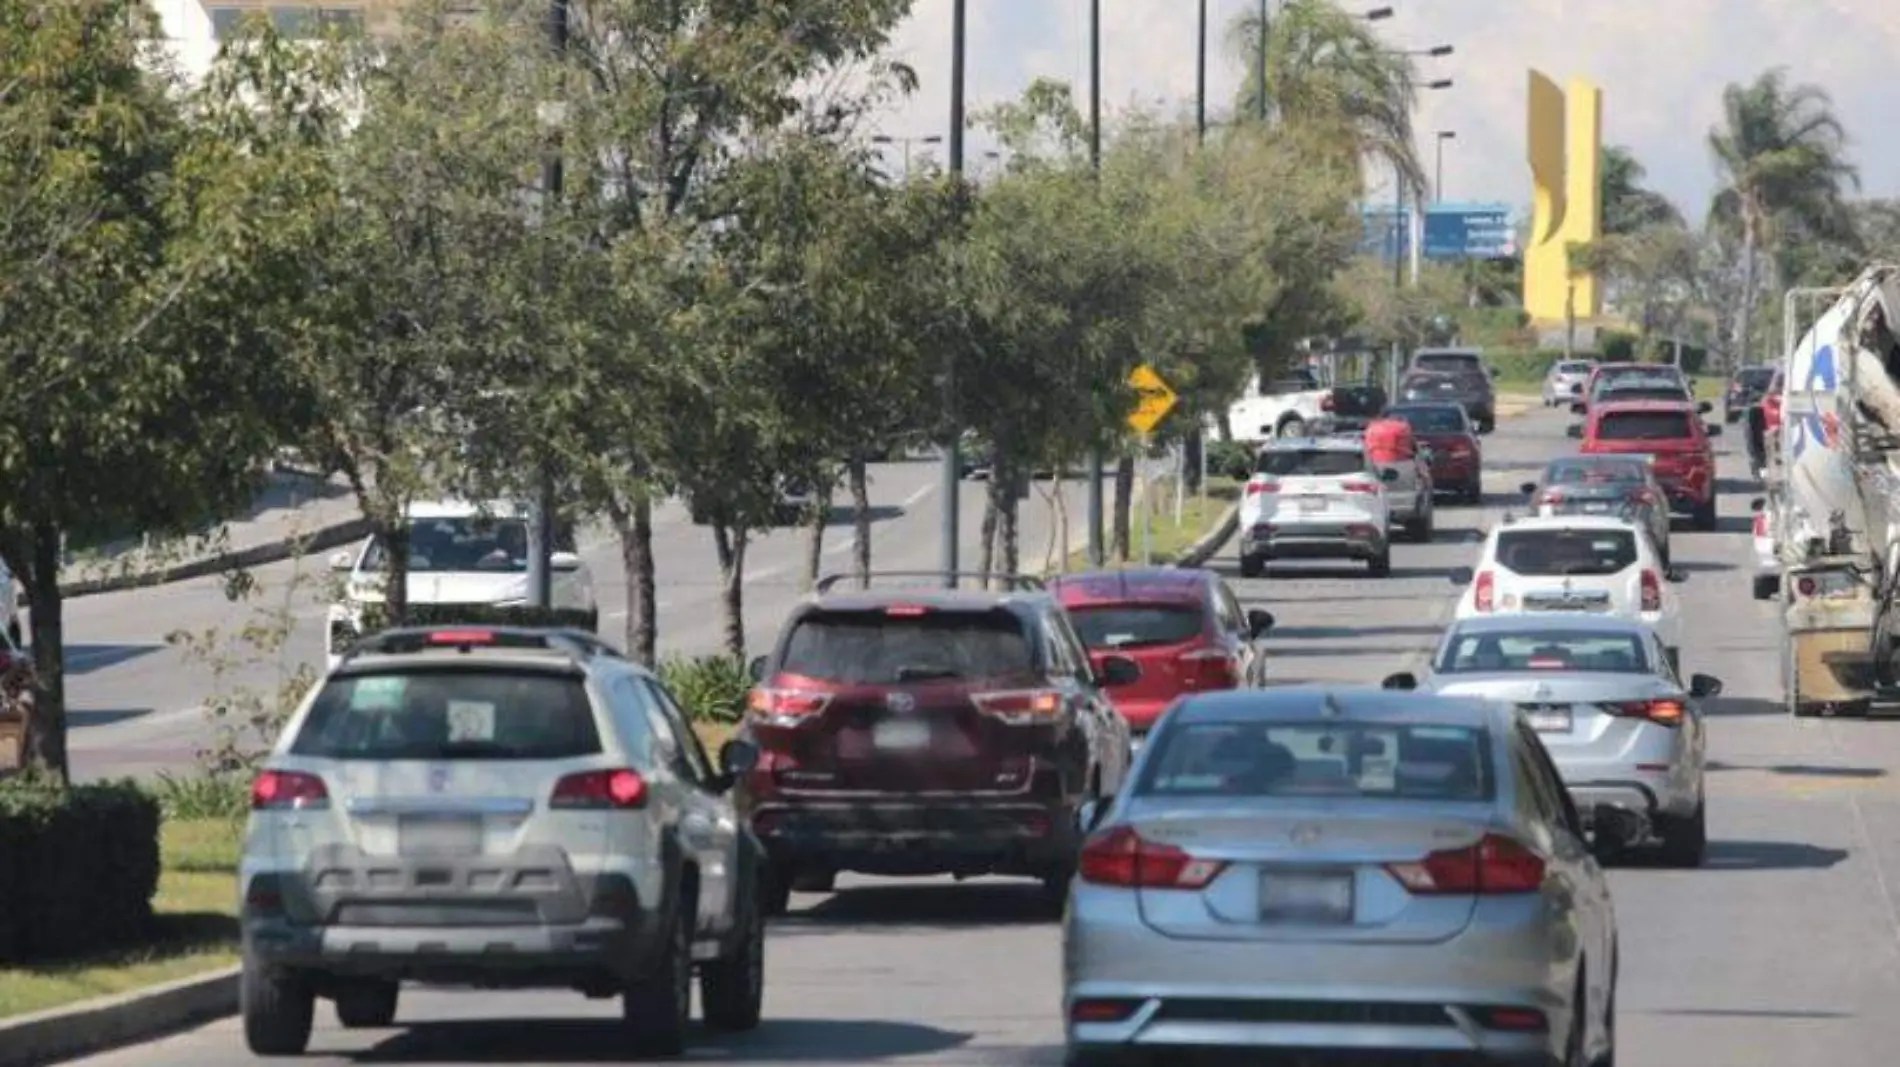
column 498, row 807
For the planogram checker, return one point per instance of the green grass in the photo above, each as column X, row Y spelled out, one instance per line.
column 1168, row 539
column 194, row 928
column 1707, row 387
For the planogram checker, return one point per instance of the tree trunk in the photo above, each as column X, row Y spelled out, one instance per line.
column 1191, row 457
column 1745, row 308
column 815, row 543
column 986, row 553
column 860, row 522
column 1124, row 501
column 390, row 528
column 45, row 747
column 1009, row 526
column 730, row 544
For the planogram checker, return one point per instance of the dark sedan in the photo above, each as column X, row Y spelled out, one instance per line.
column 1605, row 484
column 1745, row 390
column 1473, row 392
column 1457, row 459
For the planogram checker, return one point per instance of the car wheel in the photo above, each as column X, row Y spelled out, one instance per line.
column 1704, row 516
column 732, row 989
column 1293, row 427
column 1474, row 493
column 775, row 890
column 656, row 1009
column 1685, row 840
column 367, row 1004
column 1252, row 566
column 1765, row 586
column 278, row 1010
column 1380, row 565
column 1084, row 1056
column 815, row 881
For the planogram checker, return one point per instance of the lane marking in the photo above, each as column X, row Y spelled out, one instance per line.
column 911, row 500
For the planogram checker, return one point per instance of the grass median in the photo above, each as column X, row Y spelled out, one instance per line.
column 1168, row 537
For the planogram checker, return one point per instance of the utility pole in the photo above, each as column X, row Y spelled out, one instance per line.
column 1200, row 77
column 952, row 476
column 1260, row 69
column 541, row 559
column 1095, row 463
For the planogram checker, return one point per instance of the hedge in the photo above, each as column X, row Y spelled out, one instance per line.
column 483, row 615
column 78, row 868
column 709, row 688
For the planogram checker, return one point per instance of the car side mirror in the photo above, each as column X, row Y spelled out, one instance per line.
column 1704, row 685
column 1576, row 390
column 738, row 756
column 1528, row 488
column 1704, row 408
column 1758, row 503
column 1578, row 408
column 1119, row 670
column 756, row 668
column 1259, row 621
column 1573, row 430
column 1461, row 575
column 1388, row 474
column 565, row 562
column 1715, row 429
column 1403, row 680
column 342, row 561
column 1676, row 575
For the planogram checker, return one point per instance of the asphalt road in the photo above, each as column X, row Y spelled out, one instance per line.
column 1781, row 951
column 136, row 700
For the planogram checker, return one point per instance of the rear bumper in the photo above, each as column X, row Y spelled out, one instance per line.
column 887, row 835
column 1141, row 713
column 1450, row 472
column 1358, row 540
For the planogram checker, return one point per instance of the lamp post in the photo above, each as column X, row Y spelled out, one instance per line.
column 1093, row 490
column 906, row 142
column 1200, row 75
column 1438, row 166
column 952, row 474
column 541, row 559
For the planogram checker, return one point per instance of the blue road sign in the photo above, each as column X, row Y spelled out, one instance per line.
column 1452, row 232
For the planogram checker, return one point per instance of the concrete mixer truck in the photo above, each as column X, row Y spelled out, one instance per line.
column 1833, row 480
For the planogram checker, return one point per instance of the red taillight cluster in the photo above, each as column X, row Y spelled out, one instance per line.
column 1484, row 591
column 1460, row 447
column 785, row 707
column 276, row 790
column 1259, row 488
column 1652, row 591
column 1209, row 668
column 1495, row 864
column 1360, row 487
column 1771, row 411
column 1020, row 707
column 1122, row 857
column 1661, row 712
column 1548, row 496
column 592, row 790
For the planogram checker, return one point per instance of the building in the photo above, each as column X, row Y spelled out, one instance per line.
column 195, row 27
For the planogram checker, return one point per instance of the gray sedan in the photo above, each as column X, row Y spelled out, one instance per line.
column 1625, row 732
column 1609, row 484
column 1319, row 870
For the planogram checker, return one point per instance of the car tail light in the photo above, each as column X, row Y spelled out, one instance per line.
column 785, row 707
column 1549, row 496
column 1258, row 488
column 1761, row 524
column 274, row 790
column 1495, row 864
column 1661, row 712
column 1210, row 668
column 1121, row 857
column 1512, row 1020
column 1360, row 487
column 1771, row 410
column 1326, row 402
column 1652, row 591
column 1020, row 707
column 462, row 637
column 1458, row 446
column 1104, row 1009
column 623, row 789
column 1484, row 592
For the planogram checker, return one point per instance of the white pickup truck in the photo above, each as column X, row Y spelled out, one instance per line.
column 1282, row 407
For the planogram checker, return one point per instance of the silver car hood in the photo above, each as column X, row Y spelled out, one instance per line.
column 1552, row 687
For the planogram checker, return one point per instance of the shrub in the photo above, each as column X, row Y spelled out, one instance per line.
column 709, row 688
column 78, row 868
column 1525, row 366
column 483, row 615
column 214, row 795
column 1618, row 346
column 1230, row 459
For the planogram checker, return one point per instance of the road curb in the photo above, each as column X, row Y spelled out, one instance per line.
column 1210, row 542
column 317, row 540
column 117, row 1021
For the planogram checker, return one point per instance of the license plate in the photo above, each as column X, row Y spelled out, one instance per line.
column 901, row 734
column 1312, row 503
column 1596, row 507
column 426, row 835
column 1548, row 720
column 1311, row 898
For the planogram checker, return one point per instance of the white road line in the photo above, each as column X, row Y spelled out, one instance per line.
column 912, row 499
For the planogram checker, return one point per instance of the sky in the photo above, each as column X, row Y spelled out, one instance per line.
column 1662, row 65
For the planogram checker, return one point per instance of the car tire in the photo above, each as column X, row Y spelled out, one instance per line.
column 732, row 988
column 814, row 881
column 1290, row 427
column 1685, row 839
column 1086, row 1056
column 1474, row 493
column 1252, row 566
column 1380, row 566
column 1765, row 586
column 367, row 1004
column 1418, row 529
column 1703, row 517
column 278, row 1010
column 775, row 890
column 657, row 1008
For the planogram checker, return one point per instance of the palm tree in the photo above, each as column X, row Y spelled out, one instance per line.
column 1628, row 206
column 1783, row 156
column 1327, row 70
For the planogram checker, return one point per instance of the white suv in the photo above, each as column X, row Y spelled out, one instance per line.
column 1579, row 563
column 460, row 553
column 497, row 807
column 1316, row 498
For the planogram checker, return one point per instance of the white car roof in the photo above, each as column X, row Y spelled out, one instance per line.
column 1565, row 522
column 464, row 509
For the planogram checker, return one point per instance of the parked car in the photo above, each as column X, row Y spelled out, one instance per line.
column 923, row 731
column 1316, row 498
column 1283, row 407
column 1745, row 389
column 1623, row 485
column 497, row 807
column 1625, row 731
column 1455, row 452
column 1565, row 380
column 1395, row 877
column 1350, row 407
column 1673, row 433
column 1457, row 377
column 1182, row 625
column 1596, row 565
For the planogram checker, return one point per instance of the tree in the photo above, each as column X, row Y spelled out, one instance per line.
column 1656, row 272
column 143, row 400
column 1628, row 206
column 1781, row 153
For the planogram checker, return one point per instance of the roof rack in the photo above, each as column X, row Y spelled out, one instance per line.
column 464, row 637
column 1016, row 582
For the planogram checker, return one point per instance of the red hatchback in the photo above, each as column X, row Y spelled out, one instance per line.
column 1673, row 432
column 1457, row 457
column 1183, row 625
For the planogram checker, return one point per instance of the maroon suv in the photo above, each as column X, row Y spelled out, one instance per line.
column 930, row 731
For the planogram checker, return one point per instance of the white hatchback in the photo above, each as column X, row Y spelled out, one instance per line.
column 1574, row 563
column 1316, row 498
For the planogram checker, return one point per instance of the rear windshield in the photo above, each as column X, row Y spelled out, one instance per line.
column 889, row 647
column 1572, row 368
column 1137, row 625
column 1648, row 392
column 1450, row 362
column 1595, row 473
column 1437, row 385
column 1755, row 376
column 1544, row 650
column 1310, row 462
column 450, row 715
column 1322, row 759
column 1431, row 420
column 1644, row 426
column 1566, row 552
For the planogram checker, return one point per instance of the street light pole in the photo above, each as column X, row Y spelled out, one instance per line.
column 1438, row 170
column 1093, row 490
column 541, row 559
column 1200, row 76
column 952, row 474
column 1260, row 68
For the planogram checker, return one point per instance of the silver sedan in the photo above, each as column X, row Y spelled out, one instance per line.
column 1625, row 732
column 1323, row 870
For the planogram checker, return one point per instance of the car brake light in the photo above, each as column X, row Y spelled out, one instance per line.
column 1360, row 487
column 1495, row 864
column 462, row 637
column 273, row 790
column 1661, row 712
column 1257, row 488
column 1458, row 446
column 1122, row 857
column 1326, row 402
column 623, row 789
column 1210, row 668
column 1484, row 592
column 1652, row 591
column 1550, row 496
column 785, row 707
column 1020, row 707
column 905, row 611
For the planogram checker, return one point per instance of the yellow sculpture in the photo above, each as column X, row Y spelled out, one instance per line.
column 1565, row 146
